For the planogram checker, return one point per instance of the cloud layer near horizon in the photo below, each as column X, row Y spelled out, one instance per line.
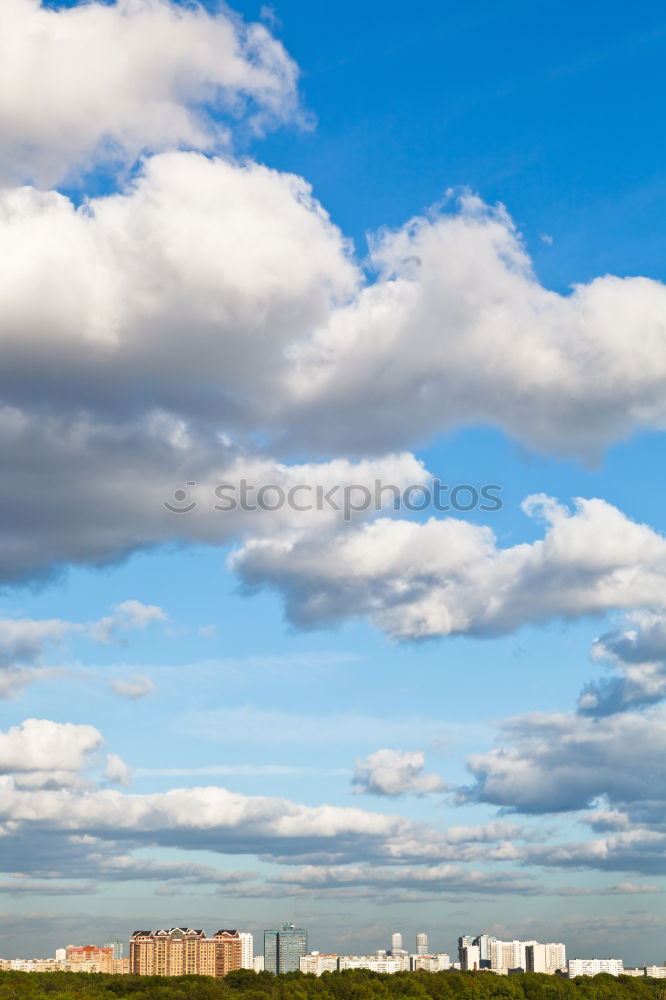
column 61, row 823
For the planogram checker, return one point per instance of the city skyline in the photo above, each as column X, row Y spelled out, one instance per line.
column 181, row 950
column 332, row 533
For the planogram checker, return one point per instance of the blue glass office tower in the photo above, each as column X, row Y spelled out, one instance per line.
column 284, row 948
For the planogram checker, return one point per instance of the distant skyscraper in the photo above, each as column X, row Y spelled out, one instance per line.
column 484, row 943
column 396, row 942
column 464, row 941
column 117, row 947
column 471, row 958
column 421, row 944
column 284, row 948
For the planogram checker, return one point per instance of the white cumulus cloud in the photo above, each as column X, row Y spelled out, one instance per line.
column 395, row 772
column 446, row 577
column 41, row 753
column 107, row 81
column 458, row 331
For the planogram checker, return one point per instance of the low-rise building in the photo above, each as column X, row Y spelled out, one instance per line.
column 315, row 963
column 595, row 966
column 388, row 964
column 430, row 963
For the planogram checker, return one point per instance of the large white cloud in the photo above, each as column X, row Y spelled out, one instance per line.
column 39, row 752
column 109, row 80
column 445, row 577
column 458, row 330
column 136, row 331
column 222, row 291
column 181, row 294
column 164, row 334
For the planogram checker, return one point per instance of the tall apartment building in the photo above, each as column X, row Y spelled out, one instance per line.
column 464, row 941
column 422, row 944
column 484, row 943
column 474, row 952
column 548, row 958
column 182, row 951
column 284, row 948
column 509, row 955
column 228, row 952
column 469, row 955
column 593, row 966
column 247, row 950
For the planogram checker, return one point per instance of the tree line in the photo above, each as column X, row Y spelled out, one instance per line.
column 352, row 984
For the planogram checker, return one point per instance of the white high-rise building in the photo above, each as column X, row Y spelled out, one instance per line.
column 258, row 963
column 396, row 943
column 422, row 944
column 484, row 941
column 548, row 958
column 247, row 950
column 505, row 955
column 470, row 957
column 593, row 966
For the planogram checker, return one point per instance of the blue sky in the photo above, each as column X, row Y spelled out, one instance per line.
column 296, row 717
